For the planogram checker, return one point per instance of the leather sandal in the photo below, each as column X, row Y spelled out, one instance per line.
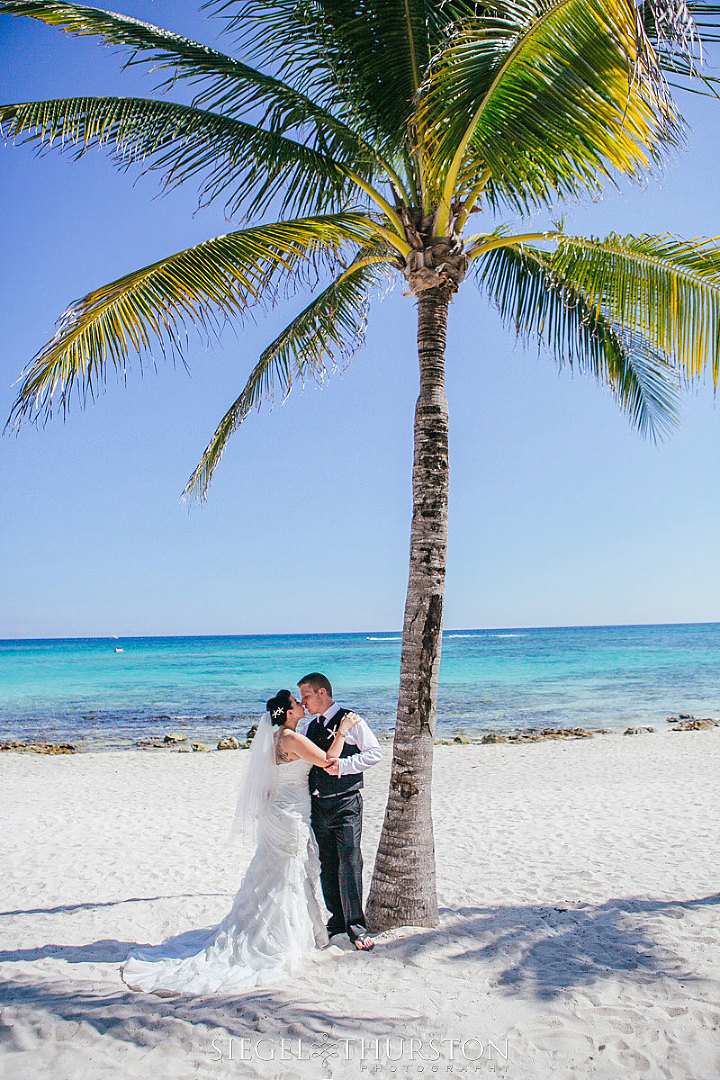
column 363, row 943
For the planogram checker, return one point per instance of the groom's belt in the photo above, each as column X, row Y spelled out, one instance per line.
column 336, row 794
column 332, row 786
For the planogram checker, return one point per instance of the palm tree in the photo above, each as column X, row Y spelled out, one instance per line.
column 374, row 130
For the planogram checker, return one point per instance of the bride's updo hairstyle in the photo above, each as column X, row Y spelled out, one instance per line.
column 278, row 707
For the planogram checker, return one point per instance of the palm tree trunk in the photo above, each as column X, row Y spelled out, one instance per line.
column 403, row 891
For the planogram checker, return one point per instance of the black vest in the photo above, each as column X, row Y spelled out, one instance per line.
column 323, row 782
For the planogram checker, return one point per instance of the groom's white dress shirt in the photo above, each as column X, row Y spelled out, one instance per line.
column 360, row 735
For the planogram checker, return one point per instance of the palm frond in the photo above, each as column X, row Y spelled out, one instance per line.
column 225, row 84
column 663, row 288
column 678, row 29
column 550, row 96
column 331, row 328
column 281, row 33
column 540, row 305
column 201, row 286
column 671, row 23
column 364, row 59
column 706, row 17
column 249, row 166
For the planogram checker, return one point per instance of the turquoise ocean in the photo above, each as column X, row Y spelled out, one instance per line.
column 107, row 693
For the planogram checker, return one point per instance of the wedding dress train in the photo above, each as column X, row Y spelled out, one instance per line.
column 275, row 920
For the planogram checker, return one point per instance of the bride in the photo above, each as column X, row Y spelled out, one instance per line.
column 275, row 919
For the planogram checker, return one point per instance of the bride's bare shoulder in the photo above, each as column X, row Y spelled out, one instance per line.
column 284, row 750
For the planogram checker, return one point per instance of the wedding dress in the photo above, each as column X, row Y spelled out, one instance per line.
column 275, row 920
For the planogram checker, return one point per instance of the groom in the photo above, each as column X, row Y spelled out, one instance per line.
column 337, row 807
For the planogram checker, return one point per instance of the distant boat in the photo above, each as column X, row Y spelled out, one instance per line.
column 119, row 650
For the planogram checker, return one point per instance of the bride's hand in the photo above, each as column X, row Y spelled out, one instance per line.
column 349, row 720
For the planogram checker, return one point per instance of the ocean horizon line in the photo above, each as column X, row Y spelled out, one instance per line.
column 383, row 635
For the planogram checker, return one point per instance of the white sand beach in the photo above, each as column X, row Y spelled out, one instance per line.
column 579, row 890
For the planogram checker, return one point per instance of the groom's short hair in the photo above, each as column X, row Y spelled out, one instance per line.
column 316, row 681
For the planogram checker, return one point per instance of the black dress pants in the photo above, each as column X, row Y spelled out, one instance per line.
column 337, row 824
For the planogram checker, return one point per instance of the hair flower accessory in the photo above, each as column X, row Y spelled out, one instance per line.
column 277, row 712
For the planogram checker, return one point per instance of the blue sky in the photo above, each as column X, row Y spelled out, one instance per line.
column 560, row 514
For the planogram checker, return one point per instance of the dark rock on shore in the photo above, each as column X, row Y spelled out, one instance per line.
column 637, row 730
column 535, row 735
column 529, row 735
column 171, row 739
column 178, row 741
column 161, row 744
column 690, row 723
column 41, row 748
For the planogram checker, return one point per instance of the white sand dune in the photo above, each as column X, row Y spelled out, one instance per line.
column 580, row 895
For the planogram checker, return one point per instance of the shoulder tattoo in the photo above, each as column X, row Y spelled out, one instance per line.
column 281, row 755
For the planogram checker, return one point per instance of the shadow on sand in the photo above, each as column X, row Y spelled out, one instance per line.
column 149, row 1020
column 551, row 950
column 63, row 909
column 544, row 952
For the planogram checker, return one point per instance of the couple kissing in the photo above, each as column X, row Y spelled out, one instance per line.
column 302, row 798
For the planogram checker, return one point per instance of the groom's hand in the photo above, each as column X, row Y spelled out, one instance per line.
column 332, row 768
